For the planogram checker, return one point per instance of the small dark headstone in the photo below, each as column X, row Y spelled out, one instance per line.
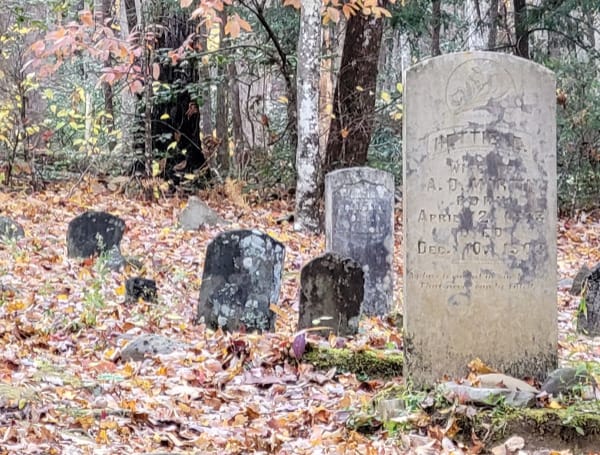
column 579, row 280
column 331, row 293
column 588, row 316
column 140, row 288
column 10, row 229
column 93, row 233
column 241, row 279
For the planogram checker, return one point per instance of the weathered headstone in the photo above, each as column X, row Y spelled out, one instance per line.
column 359, row 224
column 331, row 293
column 479, row 216
column 241, row 279
column 93, row 233
column 588, row 316
column 10, row 229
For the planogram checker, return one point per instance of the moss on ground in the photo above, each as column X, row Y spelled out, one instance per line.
column 364, row 363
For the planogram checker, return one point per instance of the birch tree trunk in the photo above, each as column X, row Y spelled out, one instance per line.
column 126, row 119
column 308, row 163
column 223, row 158
column 475, row 40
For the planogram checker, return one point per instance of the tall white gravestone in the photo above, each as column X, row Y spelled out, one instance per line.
column 359, row 224
column 479, row 216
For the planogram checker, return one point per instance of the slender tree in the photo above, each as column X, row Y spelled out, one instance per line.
column 354, row 98
column 436, row 24
column 521, row 29
column 308, row 162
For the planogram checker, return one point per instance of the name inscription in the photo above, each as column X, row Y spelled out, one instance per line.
column 482, row 203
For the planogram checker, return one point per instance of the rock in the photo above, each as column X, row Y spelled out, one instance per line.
column 150, row 345
column 504, row 381
column 196, row 214
column 510, row 446
column 487, row 396
column 114, row 259
column 93, row 233
column 10, row 229
column 579, row 280
column 565, row 284
column 567, row 380
column 140, row 288
column 241, row 279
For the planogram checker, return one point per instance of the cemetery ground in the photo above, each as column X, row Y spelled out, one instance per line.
column 63, row 323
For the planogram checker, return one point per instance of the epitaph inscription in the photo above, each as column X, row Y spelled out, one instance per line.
column 359, row 224
column 480, row 216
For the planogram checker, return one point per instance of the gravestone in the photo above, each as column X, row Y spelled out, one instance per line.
column 359, row 224
column 331, row 294
column 479, row 216
column 93, row 233
column 241, row 279
column 10, row 229
column 588, row 315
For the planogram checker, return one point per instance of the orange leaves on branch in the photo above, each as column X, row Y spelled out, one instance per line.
column 293, row 3
column 235, row 24
column 86, row 17
column 332, row 14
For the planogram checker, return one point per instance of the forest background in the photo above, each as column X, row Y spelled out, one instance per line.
column 152, row 95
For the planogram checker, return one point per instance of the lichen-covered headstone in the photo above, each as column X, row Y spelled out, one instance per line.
column 93, row 233
column 331, row 294
column 588, row 316
column 241, row 279
column 10, row 229
column 359, row 224
column 479, row 216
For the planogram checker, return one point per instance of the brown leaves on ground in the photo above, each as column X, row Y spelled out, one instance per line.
column 63, row 322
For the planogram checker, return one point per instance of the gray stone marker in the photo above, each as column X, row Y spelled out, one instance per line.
column 359, row 224
column 479, row 216
column 241, row 279
column 10, row 229
column 331, row 293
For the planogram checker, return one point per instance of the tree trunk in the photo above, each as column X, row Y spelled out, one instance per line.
column 127, row 99
column 475, row 39
column 436, row 23
column 221, row 113
column 354, row 99
column 239, row 141
column 308, row 162
column 493, row 32
column 521, row 30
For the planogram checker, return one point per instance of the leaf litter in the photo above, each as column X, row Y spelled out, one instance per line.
column 63, row 323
